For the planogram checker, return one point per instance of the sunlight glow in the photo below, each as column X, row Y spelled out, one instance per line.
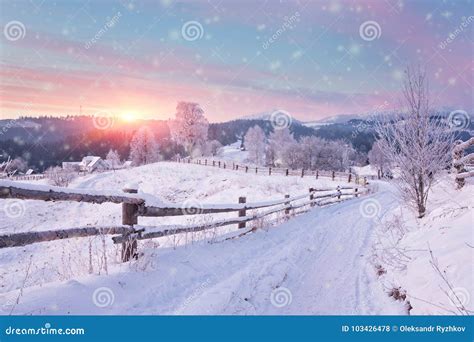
column 129, row 116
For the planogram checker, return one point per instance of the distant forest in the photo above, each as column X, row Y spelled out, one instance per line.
column 48, row 141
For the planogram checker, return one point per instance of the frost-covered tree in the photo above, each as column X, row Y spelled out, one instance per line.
column 144, row 148
column 113, row 159
column 255, row 144
column 292, row 155
column 190, row 126
column 417, row 143
column 211, row 148
column 378, row 158
column 311, row 148
column 278, row 140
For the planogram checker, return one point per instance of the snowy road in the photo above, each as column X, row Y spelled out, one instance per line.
column 316, row 263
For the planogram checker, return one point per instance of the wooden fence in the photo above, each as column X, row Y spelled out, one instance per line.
column 24, row 177
column 334, row 175
column 460, row 161
column 133, row 206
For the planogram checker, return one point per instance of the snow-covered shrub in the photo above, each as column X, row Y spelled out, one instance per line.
column 113, row 159
column 58, row 176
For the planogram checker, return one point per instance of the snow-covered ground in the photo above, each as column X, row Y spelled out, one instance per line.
column 315, row 263
column 367, row 170
column 171, row 182
column 233, row 153
column 431, row 259
column 322, row 262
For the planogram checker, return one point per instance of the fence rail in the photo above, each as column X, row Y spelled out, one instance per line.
column 225, row 164
column 135, row 205
column 461, row 161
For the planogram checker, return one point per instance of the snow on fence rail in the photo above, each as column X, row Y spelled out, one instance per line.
column 460, row 161
column 349, row 177
column 136, row 204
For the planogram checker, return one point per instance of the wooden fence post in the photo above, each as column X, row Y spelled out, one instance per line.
column 302, row 173
column 213, row 163
column 287, row 172
column 224, row 165
column 129, row 217
column 355, row 193
column 242, row 213
column 311, row 197
column 287, row 210
column 333, row 175
column 219, row 165
column 349, row 178
column 317, row 174
column 246, row 169
column 205, row 161
column 256, row 170
column 338, row 192
column 269, row 171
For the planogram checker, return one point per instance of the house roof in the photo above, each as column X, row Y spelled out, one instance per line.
column 90, row 161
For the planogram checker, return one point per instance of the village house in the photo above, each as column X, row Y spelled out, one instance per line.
column 88, row 164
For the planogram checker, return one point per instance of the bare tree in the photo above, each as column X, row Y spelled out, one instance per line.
column 255, row 144
column 414, row 141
